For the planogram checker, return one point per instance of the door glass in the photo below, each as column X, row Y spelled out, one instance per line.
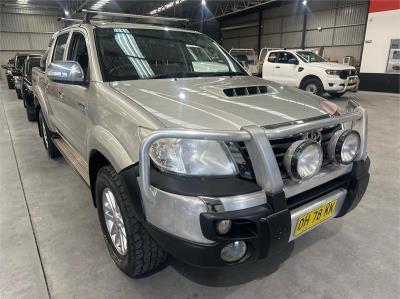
column 284, row 57
column 78, row 51
column 60, row 47
column 272, row 57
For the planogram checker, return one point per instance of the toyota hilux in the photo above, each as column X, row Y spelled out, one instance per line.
column 212, row 166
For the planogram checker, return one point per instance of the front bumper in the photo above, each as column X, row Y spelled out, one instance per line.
column 336, row 84
column 265, row 231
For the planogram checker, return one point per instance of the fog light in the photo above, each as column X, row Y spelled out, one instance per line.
column 233, row 251
column 223, row 226
column 344, row 146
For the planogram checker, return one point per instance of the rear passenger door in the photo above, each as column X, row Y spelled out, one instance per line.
column 74, row 102
column 268, row 71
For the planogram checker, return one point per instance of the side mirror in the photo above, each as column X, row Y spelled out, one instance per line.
column 293, row 61
column 68, row 72
column 16, row 72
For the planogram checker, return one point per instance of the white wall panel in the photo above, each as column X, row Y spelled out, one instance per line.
column 351, row 15
column 349, row 35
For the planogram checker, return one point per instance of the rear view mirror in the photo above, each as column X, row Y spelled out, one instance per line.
column 68, row 72
column 293, row 61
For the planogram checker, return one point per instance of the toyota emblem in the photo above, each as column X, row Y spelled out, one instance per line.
column 314, row 136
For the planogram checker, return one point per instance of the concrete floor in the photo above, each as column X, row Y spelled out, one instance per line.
column 51, row 245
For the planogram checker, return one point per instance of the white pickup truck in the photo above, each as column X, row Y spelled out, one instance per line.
column 310, row 72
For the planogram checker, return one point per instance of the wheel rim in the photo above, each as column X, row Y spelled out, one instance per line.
column 44, row 132
column 114, row 222
column 311, row 87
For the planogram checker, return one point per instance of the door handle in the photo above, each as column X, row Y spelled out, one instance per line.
column 277, row 67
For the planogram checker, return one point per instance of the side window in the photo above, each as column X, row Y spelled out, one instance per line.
column 59, row 48
column 273, row 57
column 78, row 51
column 284, row 57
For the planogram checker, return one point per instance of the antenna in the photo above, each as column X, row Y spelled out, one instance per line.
column 89, row 14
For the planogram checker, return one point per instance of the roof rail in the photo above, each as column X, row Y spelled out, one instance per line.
column 89, row 14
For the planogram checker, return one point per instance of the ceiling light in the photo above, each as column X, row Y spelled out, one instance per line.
column 166, row 6
column 66, row 12
column 305, row 2
column 203, row 2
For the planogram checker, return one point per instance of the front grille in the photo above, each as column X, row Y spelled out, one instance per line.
column 347, row 73
column 280, row 146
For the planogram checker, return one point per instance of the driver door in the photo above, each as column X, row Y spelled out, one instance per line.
column 285, row 72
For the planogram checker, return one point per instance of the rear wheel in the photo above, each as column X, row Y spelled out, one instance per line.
column 19, row 94
column 10, row 85
column 47, row 136
column 129, row 244
column 336, row 94
column 31, row 115
column 313, row 86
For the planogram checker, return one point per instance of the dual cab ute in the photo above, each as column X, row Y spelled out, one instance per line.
column 308, row 71
column 216, row 168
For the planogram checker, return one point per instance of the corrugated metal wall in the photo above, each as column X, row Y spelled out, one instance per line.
column 336, row 23
column 25, row 31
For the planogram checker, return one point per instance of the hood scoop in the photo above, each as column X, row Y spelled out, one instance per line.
column 245, row 91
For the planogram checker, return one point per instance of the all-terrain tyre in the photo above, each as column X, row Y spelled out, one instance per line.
column 139, row 254
column 10, row 85
column 31, row 115
column 313, row 86
column 19, row 94
column 47, row 137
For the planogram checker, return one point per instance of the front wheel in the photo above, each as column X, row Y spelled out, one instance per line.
column 313, row 86
column 47, row 135
column 129, row 244
column 336, row 94
column 10, row 85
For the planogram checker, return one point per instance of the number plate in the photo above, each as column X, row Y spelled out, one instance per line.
column 311, row 219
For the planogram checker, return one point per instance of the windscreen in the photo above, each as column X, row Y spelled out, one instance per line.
column 20, row 62
column 309, row 56
column 33, row 62
column 131, row 54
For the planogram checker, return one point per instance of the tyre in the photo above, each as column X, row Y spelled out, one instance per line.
column 19, row 94
column 129, row 244
column 31, row 115
column 313, row 86
column 10, row 85
column 47, row 135
column 336, row 94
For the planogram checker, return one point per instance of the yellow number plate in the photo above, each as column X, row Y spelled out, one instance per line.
column 311, row 219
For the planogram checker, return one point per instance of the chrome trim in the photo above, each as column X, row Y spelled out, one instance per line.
column 286, row 131
column 245, row 201
column 262, row 157
column 339, row 195
column 326, row 174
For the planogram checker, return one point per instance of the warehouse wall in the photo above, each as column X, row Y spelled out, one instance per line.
column 27, row 31
column 339, row 26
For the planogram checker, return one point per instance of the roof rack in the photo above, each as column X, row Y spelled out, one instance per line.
column 89, row 14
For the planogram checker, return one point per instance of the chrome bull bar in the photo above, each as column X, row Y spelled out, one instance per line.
column 265, row 166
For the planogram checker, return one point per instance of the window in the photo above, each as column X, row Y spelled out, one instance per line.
column 59, row 48
column 284, row 57
column 309, row 57
column 31, row 63
column 272, row 57
column 78, row 51
column 131, row 54
column 393, row 63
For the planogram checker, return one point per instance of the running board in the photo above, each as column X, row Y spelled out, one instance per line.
column 74, row 158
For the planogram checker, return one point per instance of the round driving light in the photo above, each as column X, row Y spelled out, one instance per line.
column 223, row 226
column 344, row 146
column 233, row 251
column 303, row 159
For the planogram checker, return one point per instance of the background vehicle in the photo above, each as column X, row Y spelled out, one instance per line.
column 177, row 159
column 27, row 93
column 17, row 73
column 310, row 72
column 249, row 60
column 10, row 78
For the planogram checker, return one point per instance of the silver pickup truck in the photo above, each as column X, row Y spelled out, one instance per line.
column 186, row 154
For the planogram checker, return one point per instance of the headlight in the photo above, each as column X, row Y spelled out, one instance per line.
column 333, row 72
column 344, row 146
column 192, row 157
column 303, row 159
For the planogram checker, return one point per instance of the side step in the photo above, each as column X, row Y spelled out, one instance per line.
column 73, row 158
